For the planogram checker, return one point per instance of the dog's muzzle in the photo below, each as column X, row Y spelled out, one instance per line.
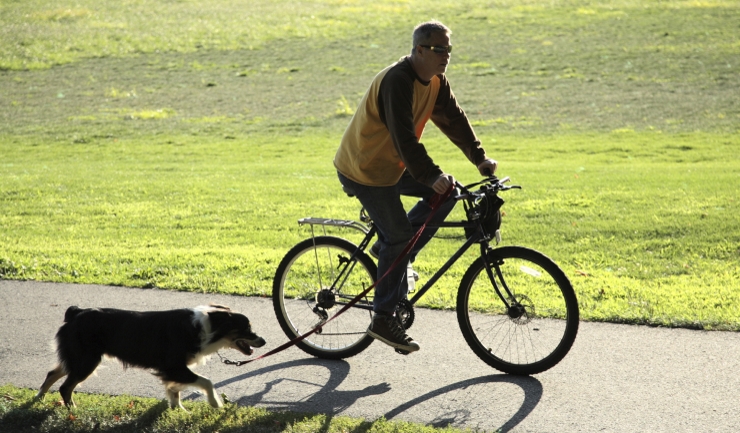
column 245, row 346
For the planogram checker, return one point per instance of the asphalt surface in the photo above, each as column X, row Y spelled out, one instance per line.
column 617, row 378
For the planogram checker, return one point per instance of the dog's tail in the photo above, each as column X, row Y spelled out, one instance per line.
column 71, row 313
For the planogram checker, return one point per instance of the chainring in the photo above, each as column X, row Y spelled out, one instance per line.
column 405, row 313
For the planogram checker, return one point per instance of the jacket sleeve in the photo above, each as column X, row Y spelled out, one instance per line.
column 452, row 121
column 395, row 100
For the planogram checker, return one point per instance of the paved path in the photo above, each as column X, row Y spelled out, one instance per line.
column 615, row 379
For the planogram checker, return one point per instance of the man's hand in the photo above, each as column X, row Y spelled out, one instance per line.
column 443, row 183
column 487, row 167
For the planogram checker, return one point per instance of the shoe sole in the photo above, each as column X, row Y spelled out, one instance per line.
column 392, row 344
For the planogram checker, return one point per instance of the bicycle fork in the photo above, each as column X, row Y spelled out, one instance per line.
column 514, row 308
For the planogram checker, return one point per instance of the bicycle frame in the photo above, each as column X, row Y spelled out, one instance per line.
column 370, row 231
column 533, row 293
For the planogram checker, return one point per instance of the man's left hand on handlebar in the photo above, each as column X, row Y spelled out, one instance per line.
column 487, row 167
column 443, row 183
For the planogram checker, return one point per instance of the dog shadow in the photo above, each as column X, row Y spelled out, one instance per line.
column 32, row 417
column 144, row 422
column 26, row 414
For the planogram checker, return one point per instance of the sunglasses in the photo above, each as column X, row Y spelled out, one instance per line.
column 439, row 50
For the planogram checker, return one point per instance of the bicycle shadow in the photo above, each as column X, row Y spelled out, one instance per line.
column 461, row 399
column 461, row 417
column 321, row 396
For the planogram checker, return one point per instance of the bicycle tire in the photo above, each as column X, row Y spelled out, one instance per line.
column 303, row 277
column 522, row 341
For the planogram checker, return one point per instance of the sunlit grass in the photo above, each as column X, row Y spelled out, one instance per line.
column 39, row 34
column 645, row 225
column 197, row 184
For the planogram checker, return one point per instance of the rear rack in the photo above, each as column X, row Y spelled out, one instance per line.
column 335, row 223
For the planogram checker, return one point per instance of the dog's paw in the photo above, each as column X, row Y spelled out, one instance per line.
column 215, row 401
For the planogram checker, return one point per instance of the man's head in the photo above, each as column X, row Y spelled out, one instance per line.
column 430, row 54
column 423, row 33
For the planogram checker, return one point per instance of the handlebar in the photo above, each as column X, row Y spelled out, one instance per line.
column 490, row 183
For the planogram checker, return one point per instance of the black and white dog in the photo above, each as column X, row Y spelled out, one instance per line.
column 167, row 342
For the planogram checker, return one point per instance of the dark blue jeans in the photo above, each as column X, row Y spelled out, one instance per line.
column 383, row 204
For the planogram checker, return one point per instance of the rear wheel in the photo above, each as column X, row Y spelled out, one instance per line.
column 310, row 287
column 539, row 326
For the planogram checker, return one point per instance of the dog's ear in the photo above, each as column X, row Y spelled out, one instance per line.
column 219, row 318
column 71, row 313
column 228, row 320
column 219, row 306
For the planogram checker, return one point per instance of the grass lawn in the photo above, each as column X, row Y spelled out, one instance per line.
column 644, row 224
column 183, row 162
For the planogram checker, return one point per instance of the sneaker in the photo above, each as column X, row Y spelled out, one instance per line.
column 388, row 330
column 411, row 278
column 411, row 272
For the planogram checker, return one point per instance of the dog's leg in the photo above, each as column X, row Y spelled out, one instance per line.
column 173, row 395
column 66, row 389
column 79, row 370
column 207, row 386
column 185, row 377
column 51, row 378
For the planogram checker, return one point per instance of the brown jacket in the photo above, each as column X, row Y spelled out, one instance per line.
column 383, row 136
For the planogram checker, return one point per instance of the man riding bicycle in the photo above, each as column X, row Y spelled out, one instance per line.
column 380, row 158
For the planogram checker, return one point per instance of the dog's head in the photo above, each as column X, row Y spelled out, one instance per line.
column 235, row 329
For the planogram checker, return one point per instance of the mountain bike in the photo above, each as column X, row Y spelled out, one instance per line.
column 516, row 308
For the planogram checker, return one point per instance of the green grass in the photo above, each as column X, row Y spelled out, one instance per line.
column 240, row 66
column 644, row 224
column 122, row 414
column 175, row 144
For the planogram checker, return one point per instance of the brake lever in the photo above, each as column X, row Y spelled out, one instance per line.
column 463, row 191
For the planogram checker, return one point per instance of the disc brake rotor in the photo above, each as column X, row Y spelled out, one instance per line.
column 522, row 310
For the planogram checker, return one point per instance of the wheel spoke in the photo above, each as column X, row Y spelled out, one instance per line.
column 301, row 296
column 538, row 328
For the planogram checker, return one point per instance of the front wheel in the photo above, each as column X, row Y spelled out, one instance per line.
column 315, row 279
column 538, row 326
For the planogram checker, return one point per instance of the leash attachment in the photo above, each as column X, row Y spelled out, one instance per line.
column 230, row 362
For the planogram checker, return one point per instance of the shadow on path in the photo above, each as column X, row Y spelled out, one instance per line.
column 532, row 394
column 327, row 399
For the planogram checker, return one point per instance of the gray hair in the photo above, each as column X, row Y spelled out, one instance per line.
column 424, row 31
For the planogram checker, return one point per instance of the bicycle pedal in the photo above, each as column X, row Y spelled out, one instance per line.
column 402, row 352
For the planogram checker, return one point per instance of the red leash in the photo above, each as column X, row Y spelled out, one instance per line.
column 435, row 203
